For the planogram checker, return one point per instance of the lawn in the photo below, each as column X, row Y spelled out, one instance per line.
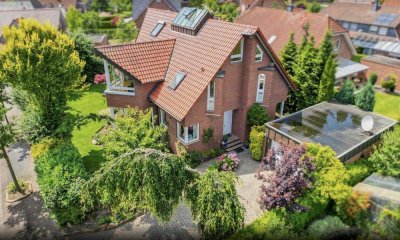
column 88, row 104
column 387, row 105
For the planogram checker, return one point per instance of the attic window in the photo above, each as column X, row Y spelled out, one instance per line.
column 179, row 76
column 237, row 53
column 259, row 54
column 157, row 29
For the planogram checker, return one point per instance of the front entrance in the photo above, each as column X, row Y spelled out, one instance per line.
column 227, row 122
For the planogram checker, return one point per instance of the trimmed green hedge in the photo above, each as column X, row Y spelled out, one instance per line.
column 358, row 171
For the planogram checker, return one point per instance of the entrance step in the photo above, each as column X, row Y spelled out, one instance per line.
column 233, row 143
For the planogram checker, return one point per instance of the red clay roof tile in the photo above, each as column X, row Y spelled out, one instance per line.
column 147, row 61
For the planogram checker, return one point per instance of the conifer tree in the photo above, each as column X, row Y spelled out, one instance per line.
column 289, row 55
column 346, row 94
column 366, row 98
column 327, row 82
column 325, row 51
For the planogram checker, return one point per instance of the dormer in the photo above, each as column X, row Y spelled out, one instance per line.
column 190, row 20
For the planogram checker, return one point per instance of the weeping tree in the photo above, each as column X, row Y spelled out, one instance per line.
column 149, row 180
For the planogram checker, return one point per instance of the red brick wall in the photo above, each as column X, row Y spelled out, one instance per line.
column 235, row 91
column 140, row 99
column 344, row 50
column 382, row 70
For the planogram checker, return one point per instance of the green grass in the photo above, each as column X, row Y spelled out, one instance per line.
column 387, row 105
column 88, row 104
column 357, row 57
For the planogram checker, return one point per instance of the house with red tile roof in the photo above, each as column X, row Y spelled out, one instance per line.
column 196, row 73
column 301, row 23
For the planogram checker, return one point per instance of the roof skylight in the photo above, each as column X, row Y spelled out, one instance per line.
column 385, row 18
column 179, row 76
column 157, row 29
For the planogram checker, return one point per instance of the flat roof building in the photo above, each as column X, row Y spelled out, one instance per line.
column 329, row 124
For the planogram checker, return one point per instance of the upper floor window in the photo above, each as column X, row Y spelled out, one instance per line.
column 337, row 44
column 260, row 88
column 363, row 27
column 391, row 32
column 157, row 29
column 346, row 25
column 163, row 117
column 237, row 53
column 259, row 54
column 373, row 29
column 211, row 96
column 188, row 134
column 353, row 26
column 383, row 30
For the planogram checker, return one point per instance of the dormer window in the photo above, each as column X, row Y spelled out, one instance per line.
column 237, row 53
column 179, row 76
column 259, row 54
column 157, row 29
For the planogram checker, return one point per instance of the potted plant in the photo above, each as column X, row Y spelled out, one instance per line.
column 224, row 142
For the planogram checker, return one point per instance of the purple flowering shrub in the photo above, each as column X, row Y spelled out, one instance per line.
column 228, row 162
column 289, row 177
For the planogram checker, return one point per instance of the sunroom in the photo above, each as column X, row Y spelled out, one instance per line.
column 117, row 81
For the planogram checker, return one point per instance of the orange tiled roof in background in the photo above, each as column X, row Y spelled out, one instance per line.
column 200, row 57
column 147, row 61
column 281, row 23
column 392, row 3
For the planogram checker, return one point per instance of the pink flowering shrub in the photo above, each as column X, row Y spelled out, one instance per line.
column 99, row 78
column 228, row 162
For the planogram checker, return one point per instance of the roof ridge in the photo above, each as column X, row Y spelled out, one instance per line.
column 137, row 43
column 233, row 23
column 34, row 9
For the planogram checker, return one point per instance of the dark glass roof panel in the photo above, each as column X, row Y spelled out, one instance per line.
column 189, row 17
column 385, row 18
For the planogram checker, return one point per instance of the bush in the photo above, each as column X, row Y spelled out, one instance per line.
column 256, row 115
column 60, row 174
column 256, row 142
column 42, row 147
column 271, row 225
column 228, row 162
column 346, row 93
column 12, row 189
column 373, row 78
column 315, row 7
column 353, row 210
column 208, row 135
column 388, row 224
column 389, row 83
column 193, row 159
column 365, row 99
column 386, row 157
column 20, row 98
column 32, row 127
column 358, row 171
column 325, row 226
column 212, row 153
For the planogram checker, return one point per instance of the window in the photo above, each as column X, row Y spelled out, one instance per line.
column 157, row 29
column 260, row 88
column 163, row 117
column 118, row 82
column 237, row 53
column 391, row 32
column 363, row 27
column 220, row 74
column 337, row 44
column 383, row 30
column 353, row 26
column 259, row 54
column 179, row 76
column 373, row 29
column 188, row 134
column 346, row 25
column 211, row 96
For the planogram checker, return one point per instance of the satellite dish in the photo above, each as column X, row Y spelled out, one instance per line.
column 367, row 123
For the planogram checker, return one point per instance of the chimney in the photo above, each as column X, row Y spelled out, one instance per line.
column 376, row 5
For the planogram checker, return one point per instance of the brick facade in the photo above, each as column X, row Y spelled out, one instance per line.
column 382, row 70
column 344, row 50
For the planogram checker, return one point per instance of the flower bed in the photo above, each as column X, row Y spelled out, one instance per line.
column 228, row 162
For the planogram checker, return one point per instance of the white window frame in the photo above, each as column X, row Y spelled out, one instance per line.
column 186, row 140
column 383, row 31
column 373, row 29
column 163, row 117
column 238, row 57
column 338, row 43
column 210, row 99
column 259, row 56
column 115, row 81
column 260, row 92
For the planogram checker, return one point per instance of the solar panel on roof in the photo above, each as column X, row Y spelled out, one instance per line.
column 385, row 18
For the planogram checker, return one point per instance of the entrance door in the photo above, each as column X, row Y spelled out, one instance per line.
column 227, row 122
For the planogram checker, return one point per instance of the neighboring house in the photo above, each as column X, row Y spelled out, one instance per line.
column 98, row 39
column 19, row 5
column 311, row 24
column 196, row 73
column 373, row 28
column 58, row 3
column 54, row 16
column 383, row 67
column 140, row 7
column 246, row 5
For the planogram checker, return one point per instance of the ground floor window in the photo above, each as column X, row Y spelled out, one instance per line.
column 163, row 117
column 188, row 134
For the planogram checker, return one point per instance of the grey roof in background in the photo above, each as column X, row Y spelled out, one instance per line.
column 139, row 6
column 347, row 67
column 332, row 124
column 383, row 60
column 54, row 16
column 15, row 5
